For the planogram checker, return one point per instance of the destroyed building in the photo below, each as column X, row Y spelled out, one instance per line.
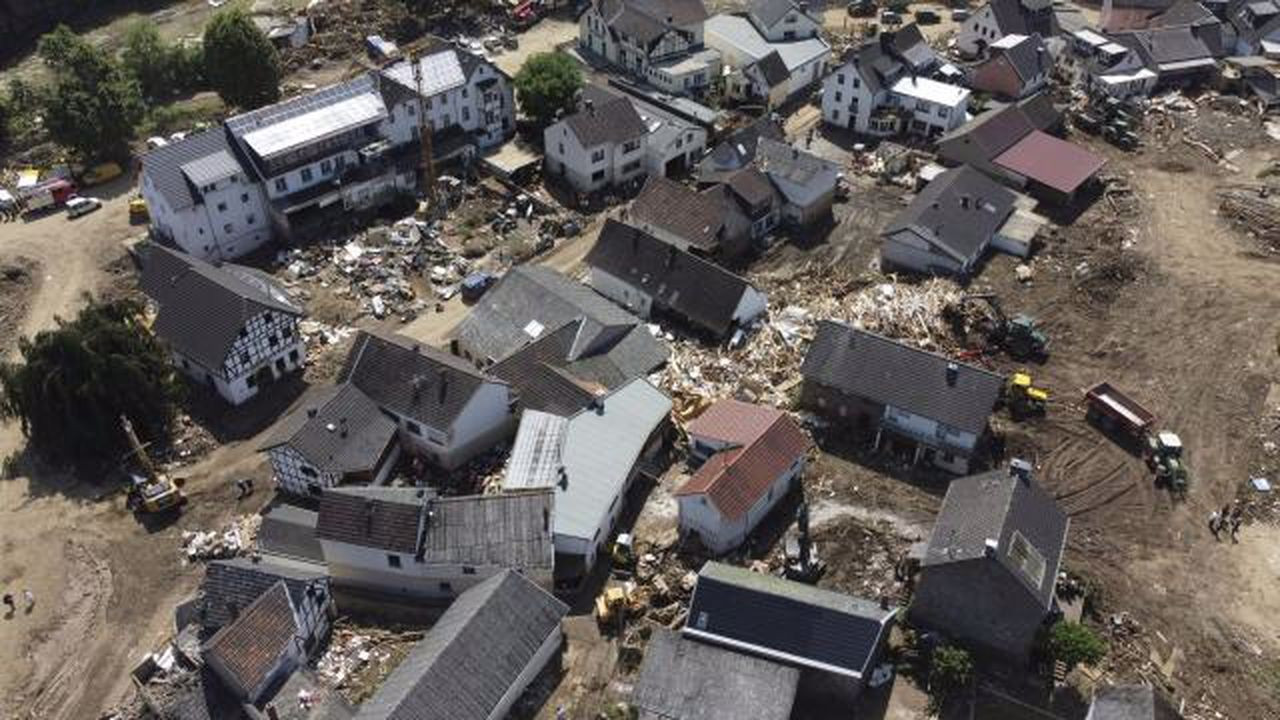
column 411, row 543
column 991, row 566
column 751, row 456
column 259, row 647
column 229, row 327
column 656, row 280
column 870, row 383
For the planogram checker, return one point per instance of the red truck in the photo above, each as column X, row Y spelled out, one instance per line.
column 48, row 194
column 1116, row 412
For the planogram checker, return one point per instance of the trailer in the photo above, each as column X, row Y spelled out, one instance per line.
column 1116, row 412
column 48, row 194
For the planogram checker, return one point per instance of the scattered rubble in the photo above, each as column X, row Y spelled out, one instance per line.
column 235, row 539
column 359, row 658
column 1254, row 210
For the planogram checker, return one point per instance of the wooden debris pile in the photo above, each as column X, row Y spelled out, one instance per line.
column 1254, row 210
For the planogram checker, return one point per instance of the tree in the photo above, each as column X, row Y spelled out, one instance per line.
column 1074, row 643
column 73, row 383
column 239, row 61
column 161, row 69
column 950, row 672
column 93, row 104
column 546, row 84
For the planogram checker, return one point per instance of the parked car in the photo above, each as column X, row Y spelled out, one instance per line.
column 476, row 284
column 960, row 15
column 889, row 18
column 927, row 17
column 861, row 8
column 155, row 141
column 78, row 206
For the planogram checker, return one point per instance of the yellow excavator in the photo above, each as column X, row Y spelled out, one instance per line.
column 152, row 492
column 1024, row 397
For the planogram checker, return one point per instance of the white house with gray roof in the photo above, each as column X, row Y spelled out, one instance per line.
column 590, row 459
column 292, row 167
column 806, row 182
column 657, row 41
column 760, row 69
column 410, row 542
column 229, row 327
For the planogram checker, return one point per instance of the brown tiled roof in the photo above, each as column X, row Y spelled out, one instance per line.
column 737, row 477
column 692, row 216
column 752, row 186
column 253, row 643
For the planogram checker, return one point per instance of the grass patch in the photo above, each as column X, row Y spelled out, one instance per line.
column 182, row 115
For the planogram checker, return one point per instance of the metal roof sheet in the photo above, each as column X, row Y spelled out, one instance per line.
column 929, row 90
column 316, row 124
column 1050, row 161
column 211, row 168
column 441, row 71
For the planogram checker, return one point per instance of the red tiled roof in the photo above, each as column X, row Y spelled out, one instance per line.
column 734, row 422
column 253, row 643
column 1049, row 161
column 737, row 477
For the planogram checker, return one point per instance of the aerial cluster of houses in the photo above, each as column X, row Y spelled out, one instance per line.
column 554, row 372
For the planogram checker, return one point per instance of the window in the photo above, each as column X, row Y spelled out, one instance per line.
column 631, row 167
column 839, row 96
column 293, row 356
column 835, row 114
column 468, row 570
column 856, row 83
column 222, row 207
column 272, row 340
column 413, row 427
column 427, row 103
column 597, row 156
column 679, row 143
column 943, row 112
column 286, row 332
column 306, row 174
column 326, row 167
column 412, row 110
column 244, row 333
column 839, row 78
column 446, row 587
column 339, row 163
column 249, row 219
column 282, row 184
column 597, row 176
column 562, row 149
column 251, row 381
column 791, row 19
column 466, row 114
column 631, row 146
column 244, row 198
column 464, row 93
column 244, row 358
column 393, row 561
column 227, row 228
column 444, row 100
column 308, row 471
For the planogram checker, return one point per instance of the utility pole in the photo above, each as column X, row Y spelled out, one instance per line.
column 427, row 165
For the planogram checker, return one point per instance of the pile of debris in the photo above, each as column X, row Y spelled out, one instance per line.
column 235, row 539
column 765, row 367
column 1254, row 210
column 358, row 659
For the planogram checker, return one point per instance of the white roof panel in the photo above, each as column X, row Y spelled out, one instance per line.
column 440, row 72
column 317, row 124
column 930, row 90
column 738, row 32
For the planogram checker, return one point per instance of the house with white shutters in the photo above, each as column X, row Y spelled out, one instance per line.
column 229, row 327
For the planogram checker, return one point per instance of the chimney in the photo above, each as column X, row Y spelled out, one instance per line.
column 991, row 547
column 964, row 202
column 311, row 412
column 953, row 373
column 1020, row 469
column 342, row 426
column 590, row 106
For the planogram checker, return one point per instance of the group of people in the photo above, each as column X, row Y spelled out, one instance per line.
column 28, row 597
column 1229, row 518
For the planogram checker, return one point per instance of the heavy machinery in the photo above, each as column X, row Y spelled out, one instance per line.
column 1164, row 457
column 623, row 554
column 613, row 604
column 802, row 562
column 1020, row 335
column 152, row 492
column 1023, row 397
column 138, row 213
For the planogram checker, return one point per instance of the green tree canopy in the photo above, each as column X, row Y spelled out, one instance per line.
column 239, row 61
column 950, row 672
column 93, row 104
column 161, row 69
column 1074, row 643
column 547, row 83
column 73, row 383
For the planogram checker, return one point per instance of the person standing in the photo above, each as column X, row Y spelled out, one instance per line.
column 29, row 597
column 1215, row 525
column 8, row 600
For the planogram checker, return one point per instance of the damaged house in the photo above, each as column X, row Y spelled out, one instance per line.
column 1257, row 26
column 771, row 55
column 656, row 41
column 873, row 384
column 992, row 562
column 750, row 458
column 835, row 640
column 411, row 543
column 590, row 459
column 478, row 658
column 261, row 647
column 878, row 90
column 948, row 227
column 229, row 327
column 708, row 222
column 805, row 182
column 655, row 280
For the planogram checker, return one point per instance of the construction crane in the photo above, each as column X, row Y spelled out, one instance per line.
column 153, row 491
column 427, row 165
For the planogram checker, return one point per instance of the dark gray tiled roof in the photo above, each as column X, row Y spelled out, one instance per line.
column 472, row 656
column 912, row 48
column 1025, row 17
column 164, row 165
column 203, row 307
column 993, row 506
column 752, row 186
column 688, row 680
column 230, row 586
column 996, row 130
column 769, row 12
column 738, row 150
column 889, row 372
column 787, row 620
column 958, row 212
column 1131, row 702
column 781, row 160
column 411, row 378
column 1029, row 58
column 337, row 429
column 1165, row 45
column 198, row 696
column 508, row 530
column 695, row 217
column 290, row 531
column 773, row 69
column 701, row 291
column 542, row 376
column 604, row 117
column 535, row 297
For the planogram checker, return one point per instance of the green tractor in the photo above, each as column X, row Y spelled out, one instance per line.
column 1023, row 338
column 1164, row 457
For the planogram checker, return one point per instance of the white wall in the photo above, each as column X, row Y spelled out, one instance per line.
column 908, row 250
column 201, row 229
column 838, row 91
column 979, row 30
column 750, row 306
column 370, row 569
column 616, row 165
column 485, row 421
column 699, row 514
column 289, row 469
column 795, row 25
